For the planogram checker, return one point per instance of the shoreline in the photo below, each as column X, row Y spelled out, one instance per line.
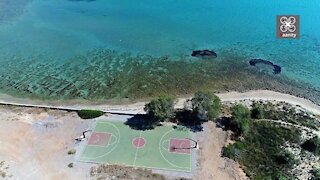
column 137, row 108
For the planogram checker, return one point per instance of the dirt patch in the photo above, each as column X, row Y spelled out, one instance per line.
column 123, row 173
column 34, row 143
column 211, row 165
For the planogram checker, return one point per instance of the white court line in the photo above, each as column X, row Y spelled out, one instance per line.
column 145, row 142
column 172, row 164
column 107, row 153
column 135, row 157
column 179, row 139
column 97, row 140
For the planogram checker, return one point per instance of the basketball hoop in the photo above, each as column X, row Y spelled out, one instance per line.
column 83, row 136
column 194, row 146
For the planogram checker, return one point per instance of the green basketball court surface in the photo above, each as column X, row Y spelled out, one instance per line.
column 164, row 147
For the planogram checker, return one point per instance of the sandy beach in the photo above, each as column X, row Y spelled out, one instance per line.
column 137, row 108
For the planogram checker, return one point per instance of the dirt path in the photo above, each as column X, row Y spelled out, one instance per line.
column 211, row 165
column 137, row 108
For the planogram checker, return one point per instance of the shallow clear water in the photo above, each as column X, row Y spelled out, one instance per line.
column 58, row 30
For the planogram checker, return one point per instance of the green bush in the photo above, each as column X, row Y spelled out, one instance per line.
column 233, row 151
column 90, row 114
column 315, row 174
column 240, row 118
column 161, row 109
column 206, row 105
column 257, row 111
column 285, row 158
column 312, row 145
column 72, row 151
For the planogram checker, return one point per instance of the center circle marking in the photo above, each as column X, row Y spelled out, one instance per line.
column 138, row 142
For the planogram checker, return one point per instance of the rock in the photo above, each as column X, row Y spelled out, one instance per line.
column 276, row 68
column 204, row 53
column 70, row 165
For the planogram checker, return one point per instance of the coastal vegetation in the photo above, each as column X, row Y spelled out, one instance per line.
column 240, row 119
column 312, row 145
column 89, row 114
column 258, row 111
column 315, row 174
column 264, row 133
column 261, row 152
column 264, row 137
column 206, row 105
column 285, row 113
column 160, row 109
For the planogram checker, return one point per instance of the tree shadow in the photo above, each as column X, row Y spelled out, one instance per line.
column 225, row 124
column 141, row 122
column 189, row 120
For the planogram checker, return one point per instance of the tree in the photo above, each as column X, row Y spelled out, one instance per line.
column 312, row 145
column 315, row 174
column 240, row 118
column 233, row 151
column 257, row 111
column 285, row 158
column 160, row 109
column 206, row 105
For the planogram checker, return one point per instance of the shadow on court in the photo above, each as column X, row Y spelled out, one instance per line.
column 184, row 118
column 189, row 120
column 141, row 122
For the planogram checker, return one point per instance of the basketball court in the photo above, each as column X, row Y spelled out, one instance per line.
column 163, row 148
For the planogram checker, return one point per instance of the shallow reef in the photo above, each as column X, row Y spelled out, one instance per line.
column 105, row 74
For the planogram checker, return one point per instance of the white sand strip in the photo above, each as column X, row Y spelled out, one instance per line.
column 137, row 108
column 271, row 96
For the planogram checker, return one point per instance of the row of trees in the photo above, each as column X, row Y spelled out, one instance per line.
column 205, row 104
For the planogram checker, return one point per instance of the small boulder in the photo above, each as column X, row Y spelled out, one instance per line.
column 204, row 53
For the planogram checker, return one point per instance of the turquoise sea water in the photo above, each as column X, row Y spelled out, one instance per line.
column 55, row 31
